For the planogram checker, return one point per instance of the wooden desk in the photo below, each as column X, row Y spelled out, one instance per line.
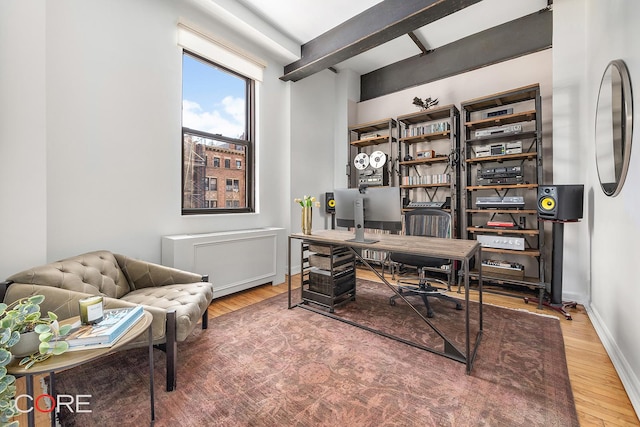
column 454, row 249
column 74, row 358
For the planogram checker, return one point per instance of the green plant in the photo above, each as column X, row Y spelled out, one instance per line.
column 22, row 316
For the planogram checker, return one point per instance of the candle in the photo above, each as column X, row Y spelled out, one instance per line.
column 91, row 309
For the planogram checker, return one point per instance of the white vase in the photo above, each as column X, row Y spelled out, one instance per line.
column 29, row 343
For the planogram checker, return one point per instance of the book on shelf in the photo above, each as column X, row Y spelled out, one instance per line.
column 115, row 323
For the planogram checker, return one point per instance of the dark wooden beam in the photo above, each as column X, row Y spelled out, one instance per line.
column 379, row 24
column 418, row 43
column 529, row 34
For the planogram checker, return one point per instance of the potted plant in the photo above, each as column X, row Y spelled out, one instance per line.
column 18, row 318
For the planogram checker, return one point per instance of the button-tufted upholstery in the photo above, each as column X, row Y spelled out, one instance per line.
column 177, row 299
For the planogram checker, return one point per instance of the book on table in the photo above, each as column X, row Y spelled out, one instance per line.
column 115, row 323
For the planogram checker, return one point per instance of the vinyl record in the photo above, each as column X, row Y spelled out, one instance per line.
column 361, row 161
column 378, row 159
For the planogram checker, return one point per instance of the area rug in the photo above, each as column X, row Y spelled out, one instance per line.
column 266, row 365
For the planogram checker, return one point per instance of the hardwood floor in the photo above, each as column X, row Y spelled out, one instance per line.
column 598, row 392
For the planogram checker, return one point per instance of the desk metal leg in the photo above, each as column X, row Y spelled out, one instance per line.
column 151, row 387
column 52, row 391
column 289, row 272
column 31, row 416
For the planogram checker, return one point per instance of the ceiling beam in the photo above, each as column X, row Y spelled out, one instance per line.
column 379, row 24
column 522, row 36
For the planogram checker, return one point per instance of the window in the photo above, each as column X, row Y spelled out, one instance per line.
column 211, row 184
column 217, row 121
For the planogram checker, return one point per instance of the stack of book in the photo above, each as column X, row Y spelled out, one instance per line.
column 116, row 322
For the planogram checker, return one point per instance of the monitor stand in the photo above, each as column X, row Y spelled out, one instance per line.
column 358, row 215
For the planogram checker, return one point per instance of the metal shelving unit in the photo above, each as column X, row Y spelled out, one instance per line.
column 493, row 128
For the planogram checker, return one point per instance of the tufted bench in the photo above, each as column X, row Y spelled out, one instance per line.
column 177, row 299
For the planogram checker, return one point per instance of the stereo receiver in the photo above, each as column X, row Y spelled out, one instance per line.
column 499, row 149
column 502, row 130
column 501, row 242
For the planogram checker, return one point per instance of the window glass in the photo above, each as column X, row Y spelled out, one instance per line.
column 217, row 118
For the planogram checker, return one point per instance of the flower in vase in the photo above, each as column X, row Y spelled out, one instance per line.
column 307, row 202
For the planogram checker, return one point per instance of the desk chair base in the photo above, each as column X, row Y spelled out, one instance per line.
column 425, row 290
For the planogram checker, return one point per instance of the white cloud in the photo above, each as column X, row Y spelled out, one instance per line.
column 228, row 121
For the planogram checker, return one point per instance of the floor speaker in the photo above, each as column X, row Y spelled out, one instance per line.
column 560, row 202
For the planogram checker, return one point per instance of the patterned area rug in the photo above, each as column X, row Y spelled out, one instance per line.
column 266, row 365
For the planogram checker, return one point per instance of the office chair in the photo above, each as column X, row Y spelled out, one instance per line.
column 428, row 223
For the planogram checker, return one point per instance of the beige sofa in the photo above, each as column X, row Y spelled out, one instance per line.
column 176, row 299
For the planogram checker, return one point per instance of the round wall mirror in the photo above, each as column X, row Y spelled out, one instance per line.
column 614, row 127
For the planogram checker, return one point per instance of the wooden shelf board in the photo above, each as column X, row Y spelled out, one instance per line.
column 426, row 137
column 425, row 185
column 523, row 116
column 505, row 278
column 373, row 126
column 524, row 93
column 527, row 252
column 437, row 159
column 371, row 141
column 504, row 211
column 501, row 187
column 432, row 114
column 499, row 231
column 499, row 159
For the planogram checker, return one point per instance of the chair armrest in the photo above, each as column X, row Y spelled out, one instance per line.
column 143, row 274
column 3, row 288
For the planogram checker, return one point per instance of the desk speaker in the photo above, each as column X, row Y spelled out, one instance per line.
column 329, row 203
column 560, row 202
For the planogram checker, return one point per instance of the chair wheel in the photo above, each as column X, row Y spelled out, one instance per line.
column 458, row 306
column 430, row 314
column 392, row 301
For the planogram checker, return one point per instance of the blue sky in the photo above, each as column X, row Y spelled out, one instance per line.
column 212, row 100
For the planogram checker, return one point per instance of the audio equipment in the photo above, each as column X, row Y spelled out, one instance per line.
column 372, row 170
column 500, row 202
column 438, row 205
column 377, row 159
column 361, row 161
column 503, row 267
column 501, row 242
column 374, row 177
column 496, row 113
column 427, row 154
column 560, row 202
column 329, row 203
column 505, row 130
column 501, row 224
column 499, row 149
column 432, row 204
column 500, row 175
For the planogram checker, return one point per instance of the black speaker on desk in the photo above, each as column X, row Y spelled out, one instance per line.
column 329, row 203
column 560, row 202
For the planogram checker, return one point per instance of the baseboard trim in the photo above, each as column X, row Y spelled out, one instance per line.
column 630, row 381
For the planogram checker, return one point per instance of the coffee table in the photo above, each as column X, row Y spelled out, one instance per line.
column 74, row 358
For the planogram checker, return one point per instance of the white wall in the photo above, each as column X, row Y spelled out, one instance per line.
column 93, row 147
column 313, row 104
column 23, row 150
column 587, row 35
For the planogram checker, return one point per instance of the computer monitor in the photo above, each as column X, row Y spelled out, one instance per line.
column 372, row 207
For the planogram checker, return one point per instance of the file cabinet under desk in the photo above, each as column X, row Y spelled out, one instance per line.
column 328, row 275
